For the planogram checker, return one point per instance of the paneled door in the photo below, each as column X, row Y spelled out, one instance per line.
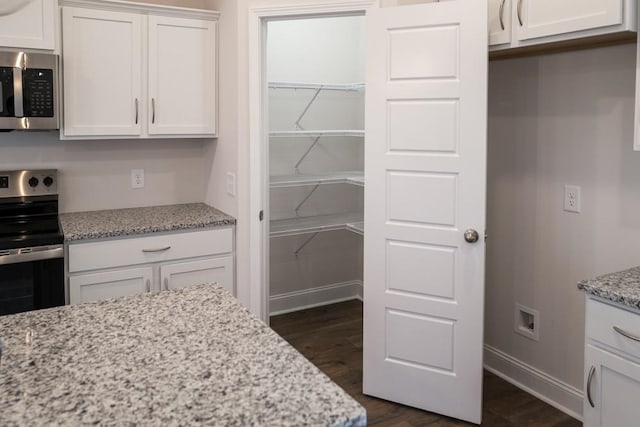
column 182, row 76
column 101, row 55
column 425, row 167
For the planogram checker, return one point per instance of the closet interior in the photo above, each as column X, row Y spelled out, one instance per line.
column 315, row 71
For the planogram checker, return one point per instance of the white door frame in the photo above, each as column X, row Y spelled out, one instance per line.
column 258, row 138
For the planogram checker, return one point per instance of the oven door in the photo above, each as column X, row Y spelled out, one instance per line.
column 32, row 280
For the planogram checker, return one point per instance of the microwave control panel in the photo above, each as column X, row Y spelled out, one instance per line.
column 38, row 92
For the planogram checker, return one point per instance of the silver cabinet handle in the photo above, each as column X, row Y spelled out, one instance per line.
column 627, row 334
column 520, row 12
column 502, row 14
column 153, row 110
column 148, row 285
column 592, row 372
column 151, row 251
column 137, row 111
column 166, row 283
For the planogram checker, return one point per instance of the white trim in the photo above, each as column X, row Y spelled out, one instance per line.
column 315, row 297
column 142, row 8
column 545, row 387
column 258, row 176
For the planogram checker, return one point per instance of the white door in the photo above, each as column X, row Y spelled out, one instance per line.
column 614, row 390
column 425, row 167
column 189, row 273
column 182, row 77
column 101, row 54
column 499, row 22
column 539, row 18
column 111, row 284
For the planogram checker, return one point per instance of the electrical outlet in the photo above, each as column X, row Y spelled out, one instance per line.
column 231, row 183
column 572, row 198
column 137, row 178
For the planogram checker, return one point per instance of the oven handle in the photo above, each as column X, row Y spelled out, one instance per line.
column 39, row 255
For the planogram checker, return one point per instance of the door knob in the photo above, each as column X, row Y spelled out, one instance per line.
column 471, row 236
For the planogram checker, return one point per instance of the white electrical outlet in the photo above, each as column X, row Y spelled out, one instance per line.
column 137, row 178
column 231, row 183
column 572, row 198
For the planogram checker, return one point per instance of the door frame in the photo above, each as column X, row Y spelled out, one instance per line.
column 258, row 127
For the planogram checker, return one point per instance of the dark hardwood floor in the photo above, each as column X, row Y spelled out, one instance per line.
column 331, row 338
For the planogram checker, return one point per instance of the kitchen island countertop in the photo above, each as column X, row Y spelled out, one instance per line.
column 192, row 356
column 136, row 221
column 622, row 287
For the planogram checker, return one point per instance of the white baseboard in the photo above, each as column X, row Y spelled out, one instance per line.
column 549, row 389
column 315, row 297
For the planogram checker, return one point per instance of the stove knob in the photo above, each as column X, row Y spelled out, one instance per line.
column 48, row 181
column 33, row 182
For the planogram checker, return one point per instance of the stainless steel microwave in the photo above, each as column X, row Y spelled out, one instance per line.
column 28, row 91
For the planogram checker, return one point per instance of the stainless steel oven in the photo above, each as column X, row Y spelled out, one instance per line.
column 28, row 91
column 31, row 251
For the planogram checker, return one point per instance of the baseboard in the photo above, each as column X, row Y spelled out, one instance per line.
column 315, row 297
column 549, row 389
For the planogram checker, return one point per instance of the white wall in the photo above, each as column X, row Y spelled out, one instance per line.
column 221, row 157
column 97, row 174
column 555, row 120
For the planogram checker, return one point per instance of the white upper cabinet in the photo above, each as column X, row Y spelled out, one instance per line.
column 519, row 23
column 102, row 72
column 499, row 22
column 132, row 70
column 28, row 24
column 182, row 78
column 540, row 18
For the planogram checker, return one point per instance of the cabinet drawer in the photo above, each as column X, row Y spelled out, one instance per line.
column 601, row 320
column 144, row 250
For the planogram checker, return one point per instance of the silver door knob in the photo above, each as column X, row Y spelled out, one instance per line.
column 471, row 236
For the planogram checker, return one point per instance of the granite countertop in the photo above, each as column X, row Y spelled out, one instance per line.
column 622, row 287
column 133, row 221
column 184, row 357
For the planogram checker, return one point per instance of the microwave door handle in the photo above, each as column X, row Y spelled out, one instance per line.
column 18, row 101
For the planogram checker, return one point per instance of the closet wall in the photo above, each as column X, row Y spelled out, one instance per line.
column 329, row 51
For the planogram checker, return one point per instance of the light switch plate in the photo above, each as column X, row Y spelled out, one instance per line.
column 231, row 183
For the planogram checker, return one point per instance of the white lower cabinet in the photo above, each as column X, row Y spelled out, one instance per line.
column 614, row 390
column 99, row 270
column 612, row 366
column 109, row 284
column 189, row 273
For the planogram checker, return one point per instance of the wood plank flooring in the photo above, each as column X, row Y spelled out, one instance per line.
column 331, row 338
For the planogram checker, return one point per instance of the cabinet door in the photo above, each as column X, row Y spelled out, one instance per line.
column 182, row 76
column 189, row 273
column 110, row 284
column 499, row 22
column 614, row 390
column 30, row 25
column 539, row 18
column 102, row 72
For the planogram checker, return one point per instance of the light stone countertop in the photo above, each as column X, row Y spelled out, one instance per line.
column 135, row 221
column 622, row 287
column 185, row 357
